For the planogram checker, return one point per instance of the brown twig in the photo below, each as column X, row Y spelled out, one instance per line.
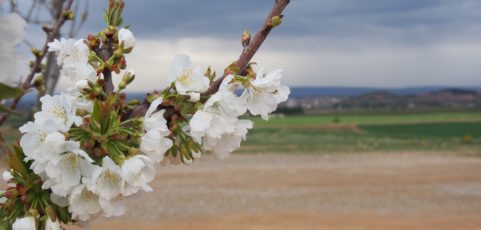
column 27, row 83
column 254, row 45
column 243, row 60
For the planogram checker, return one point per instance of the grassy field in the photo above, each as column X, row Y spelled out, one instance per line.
column 352, row 133
column 367, row 133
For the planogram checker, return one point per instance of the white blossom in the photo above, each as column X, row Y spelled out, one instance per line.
column 65, row 171
column 154, row 145
column 154, row 142
column 40, row 144
column 82, row 84
column 60, row 110
column 265, row 93
column 12, row 33
column 113, row 207
column 138, row 171
column 52, row 225
column 61, row 201
column 126, row 36
column 25, row 223
column 62, row 47
column 218, row 116
column 210, row 124
column 229, row 142
column 106, row 181
column 78, row 99
column 73, row 56
column 188, row 80
column 83, row 203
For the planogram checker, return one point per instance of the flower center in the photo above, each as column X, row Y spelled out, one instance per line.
column 185, row 78
column 59, row 112
column 70, row 162
column 42, row 136
column 111, row 178
column 87, row 195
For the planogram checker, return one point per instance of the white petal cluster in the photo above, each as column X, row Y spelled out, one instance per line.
column 154, row 141
column 59, row 110
column 187, row 79
column 265, row 93
column 12, row 33
column 217, row 126
column 78, row 182
column 65, row 172
column 73, row 56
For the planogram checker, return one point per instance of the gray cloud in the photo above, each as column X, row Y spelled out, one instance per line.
column 321, row 42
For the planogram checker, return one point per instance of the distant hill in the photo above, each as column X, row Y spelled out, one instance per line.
column 306, row 92
column 318, row 92
column 405, row 99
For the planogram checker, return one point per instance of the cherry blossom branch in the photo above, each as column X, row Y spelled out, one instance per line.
column 243, row 60
column 254, row 45
column 51, row 34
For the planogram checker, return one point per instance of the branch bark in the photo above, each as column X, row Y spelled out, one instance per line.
column 254, row 45
column 243, row 60
column 27, row 83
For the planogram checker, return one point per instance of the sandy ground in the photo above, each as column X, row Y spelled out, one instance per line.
column 364, row 191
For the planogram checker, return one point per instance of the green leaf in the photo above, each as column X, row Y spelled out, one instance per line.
column 106, row 18
column 9, row 91
column 15, row 161
column 96, row 112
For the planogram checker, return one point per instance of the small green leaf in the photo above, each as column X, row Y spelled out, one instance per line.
column 96, row 112
column 15, row 161
column 106, row 18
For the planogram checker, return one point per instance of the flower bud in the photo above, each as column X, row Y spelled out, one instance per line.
column 129, row 76
column 186, row 159
column 245, row 38
column 118, row 53
column 51, row 213
column 275, row 21
column 82, row 84
column 196, row 155
column 92, row 41
column 11, row 193
column 122, row 85
column 126, row 37
column 21, row 189
column 68, row 15
column 37, row 52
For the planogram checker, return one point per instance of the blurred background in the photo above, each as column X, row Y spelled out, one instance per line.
column 382, row 129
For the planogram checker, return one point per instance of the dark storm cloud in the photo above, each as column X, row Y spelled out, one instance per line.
column 381, row 20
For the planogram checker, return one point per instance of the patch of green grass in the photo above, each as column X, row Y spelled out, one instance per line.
column 369, row 119
column 376, row 132
column 319, row 141
column 426, row 130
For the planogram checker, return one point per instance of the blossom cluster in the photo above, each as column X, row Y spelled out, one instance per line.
column 88, row 149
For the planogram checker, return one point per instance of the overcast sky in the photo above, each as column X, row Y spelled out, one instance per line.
column 385, row 43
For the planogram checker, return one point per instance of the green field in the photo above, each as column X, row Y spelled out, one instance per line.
column 354, row 133
column 367, row 133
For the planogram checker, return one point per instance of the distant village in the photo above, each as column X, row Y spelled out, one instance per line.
column 382, row 100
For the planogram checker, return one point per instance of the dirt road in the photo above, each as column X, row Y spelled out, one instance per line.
column 363, row 191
